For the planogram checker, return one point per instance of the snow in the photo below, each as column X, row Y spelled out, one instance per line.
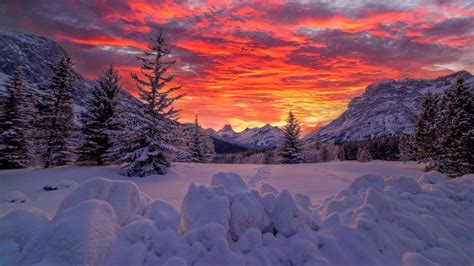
column 395, row 216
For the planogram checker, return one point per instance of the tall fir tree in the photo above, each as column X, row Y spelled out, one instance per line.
column 145, row 141
column 57, row 123
column 455, row 131
column 201, row 148
column 97, row 119
column 16, row 118
column 424, row 135
column 291, row 149
column 405, row 148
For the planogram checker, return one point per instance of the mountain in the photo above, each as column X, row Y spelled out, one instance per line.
column 254, row 138
column 387, row 108
column 36, row 55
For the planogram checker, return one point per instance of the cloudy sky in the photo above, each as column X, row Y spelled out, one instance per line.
column 247, row 63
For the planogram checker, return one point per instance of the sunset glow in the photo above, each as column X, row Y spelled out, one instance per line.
column 248, row 63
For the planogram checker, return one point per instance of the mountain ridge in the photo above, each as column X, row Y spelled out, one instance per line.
column 386, row 108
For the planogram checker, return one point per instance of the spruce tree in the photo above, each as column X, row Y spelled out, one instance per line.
column 405, row 148
column 324, row 154
column 201, row 148
column 291, row 149
column 16, row 117
column 145, row 140
column 424, row 135
column 363, row 155
column 456, row 131
column 56, row 124
column 97, row 119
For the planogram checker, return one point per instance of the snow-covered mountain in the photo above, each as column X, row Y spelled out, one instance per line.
column 255, row 138
column 36, row 55
column 387, row 108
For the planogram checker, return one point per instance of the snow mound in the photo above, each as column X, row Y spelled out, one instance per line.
column 203, row 205
column 14, row 197
column 123, row 196
column 163, row 215
column 17, row 228
column 232, row 182
column 376, row 221
column 79, row 235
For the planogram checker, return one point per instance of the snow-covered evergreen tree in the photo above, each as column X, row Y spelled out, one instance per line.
column 363, row 155
column 291, row 149
column 324, row 155
column 424, row 135
column 16, row 118
column 145, row 141
column 97, row 119
column 405, row 148
column 56, row 124
column 201, row 148
column 455, row 131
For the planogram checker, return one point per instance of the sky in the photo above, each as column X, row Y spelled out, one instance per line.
column 247, row 63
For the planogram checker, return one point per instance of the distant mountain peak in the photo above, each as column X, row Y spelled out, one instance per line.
column 264, row 137
column 386, row 108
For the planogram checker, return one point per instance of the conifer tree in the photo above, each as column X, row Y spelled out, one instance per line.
column 145, row 141
column 324, row 153
column 16, row 117
column 424, row 135
column 57, row 126
column 201, row 148
column 455, row 131
column 97, row 119
column 405, row 148
column 291, row 149
column 363, row 155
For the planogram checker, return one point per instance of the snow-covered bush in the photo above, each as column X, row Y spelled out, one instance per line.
column 376, row 221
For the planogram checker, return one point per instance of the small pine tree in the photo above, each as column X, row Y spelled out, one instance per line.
column 405, row 147
column 201, row 148
column 97, row 119
column 364, row 155
column 455, row 131
column 145, row 140
column 16, row 117
column 324, row 155
column 56, row 124
column 291, row 150
column 424, row 135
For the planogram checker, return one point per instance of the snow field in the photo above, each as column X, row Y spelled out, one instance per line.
column 375, row 221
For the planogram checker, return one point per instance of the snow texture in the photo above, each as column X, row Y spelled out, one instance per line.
column 123, row 196
column 376, row 221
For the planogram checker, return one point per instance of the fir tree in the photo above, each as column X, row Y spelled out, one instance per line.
column 456, row 131
column 405, row 147
column 57, row 126
column 291, row 150
column 16, row 117
column 424, row 135
column 145, row 141
column 201, row 148
column 97, row 119
column 364, row 155
column 324, row 154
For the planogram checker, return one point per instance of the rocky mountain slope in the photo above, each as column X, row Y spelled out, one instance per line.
column 254, row 138
column 35, row 55
column 387, row 108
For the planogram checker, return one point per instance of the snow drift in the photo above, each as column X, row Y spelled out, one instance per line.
column 376, row 221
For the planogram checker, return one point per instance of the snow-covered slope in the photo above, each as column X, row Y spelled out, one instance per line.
column 35, row 55
column 384, row 109
column 373, row 219
column 254, row 138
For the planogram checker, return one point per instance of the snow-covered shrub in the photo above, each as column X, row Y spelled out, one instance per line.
column 232, row 182
column 163, row 215
column 203, row 205
column 123, row 196
column 79, row 235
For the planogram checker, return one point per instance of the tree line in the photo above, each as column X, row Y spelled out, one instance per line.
column 142, row 136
